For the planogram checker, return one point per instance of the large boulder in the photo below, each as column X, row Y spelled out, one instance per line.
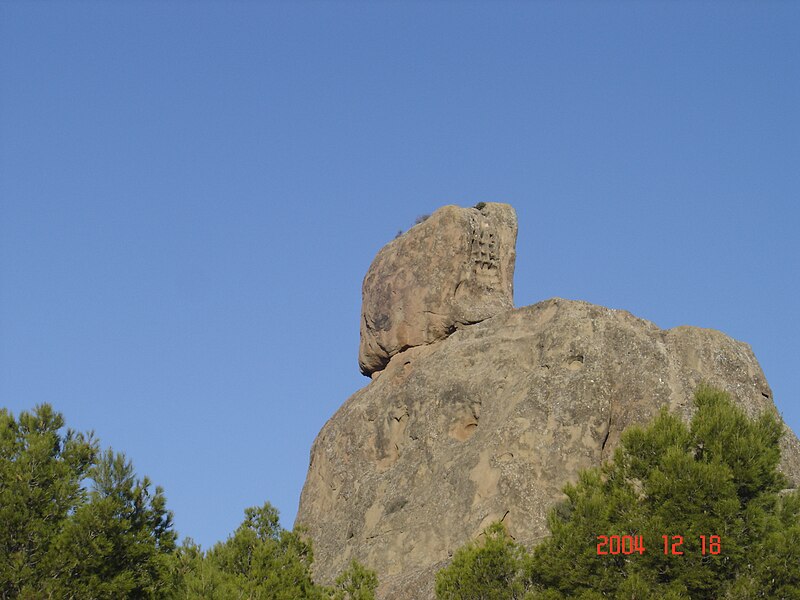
column 491, row 422
column 477, row 412
column 454, row 268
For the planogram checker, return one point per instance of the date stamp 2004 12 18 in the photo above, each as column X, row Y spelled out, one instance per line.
column 630, row 544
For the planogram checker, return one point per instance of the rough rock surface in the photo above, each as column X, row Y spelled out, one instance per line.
column 491, row 422
column 454, row 268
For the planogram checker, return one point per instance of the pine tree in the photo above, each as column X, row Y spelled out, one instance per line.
column 62, row 538
column 487, row 569
column 263, row 561
column 682, row 511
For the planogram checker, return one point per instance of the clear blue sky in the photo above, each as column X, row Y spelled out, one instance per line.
column 191, row 193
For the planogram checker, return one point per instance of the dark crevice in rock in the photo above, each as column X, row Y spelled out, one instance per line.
column 605, row 438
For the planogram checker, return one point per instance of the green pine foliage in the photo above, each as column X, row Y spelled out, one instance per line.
column 40, row 483
column 119, row 542
column 262, row 561
column 62, row 540
column 77, row 524
column 488, row 569
column 716, row 476
column 355, row 583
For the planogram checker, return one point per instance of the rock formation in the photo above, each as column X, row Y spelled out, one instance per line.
column 491, row 421
column 454, row 268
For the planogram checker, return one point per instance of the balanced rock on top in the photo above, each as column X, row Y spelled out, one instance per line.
column 454, row 268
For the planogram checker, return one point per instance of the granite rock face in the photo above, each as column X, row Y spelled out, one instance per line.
column 490, row 423
column 454, row 268
column 479, row 412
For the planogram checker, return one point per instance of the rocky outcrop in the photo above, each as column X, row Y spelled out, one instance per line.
column 490, row 422
column 454, row 268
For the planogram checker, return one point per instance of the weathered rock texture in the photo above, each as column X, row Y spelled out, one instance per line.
column 466, row 424
column 453, row 269
column 491, row 422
